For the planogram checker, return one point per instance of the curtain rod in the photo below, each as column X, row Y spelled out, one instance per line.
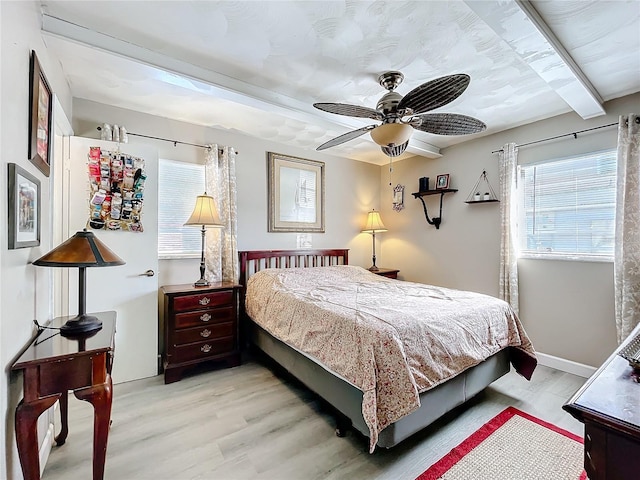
column 574, row 134
column 175, row 142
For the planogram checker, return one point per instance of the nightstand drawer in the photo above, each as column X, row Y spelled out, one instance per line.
column 204, row 317
column 210, row 332
column 209, row 348
column 202, row 300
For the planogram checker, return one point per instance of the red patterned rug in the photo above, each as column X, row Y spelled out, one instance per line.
column 513, row 446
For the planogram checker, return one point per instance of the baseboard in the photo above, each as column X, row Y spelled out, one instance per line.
column 564, row 365
column 45, row 448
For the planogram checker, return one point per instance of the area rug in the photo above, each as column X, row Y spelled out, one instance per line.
column 513, row 446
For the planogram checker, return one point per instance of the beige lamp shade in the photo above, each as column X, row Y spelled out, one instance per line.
column 205, row 213
column 374, row 223
column 391, row 134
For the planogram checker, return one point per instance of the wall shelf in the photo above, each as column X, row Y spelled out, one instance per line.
column 419, row 195
column 481, row 190
column 483, row 201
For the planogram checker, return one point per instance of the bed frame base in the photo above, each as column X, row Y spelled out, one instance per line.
column 347, row 399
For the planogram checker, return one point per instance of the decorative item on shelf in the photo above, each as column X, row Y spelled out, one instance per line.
column 374, row 225
column 205, row 214
column 442, row 181
column 83, row 250
column 398, row 197
column 423, row 184
column 482, row 191
column 113, row 133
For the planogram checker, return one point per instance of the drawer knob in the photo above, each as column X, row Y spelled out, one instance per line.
column 205, row 333
column 204, row 301
column 206, row 348
column 205, row 317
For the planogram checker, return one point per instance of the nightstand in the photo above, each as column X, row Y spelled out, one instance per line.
column 198, row 324
column 387, row 272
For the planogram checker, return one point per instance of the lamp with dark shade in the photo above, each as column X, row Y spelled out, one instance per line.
column 83, row 250
column 205, row 215
column 374, row 224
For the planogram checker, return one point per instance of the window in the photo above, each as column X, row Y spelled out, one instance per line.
column 179, row 184
column 567, row 207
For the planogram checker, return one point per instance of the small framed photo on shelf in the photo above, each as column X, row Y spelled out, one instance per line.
column 442, row 181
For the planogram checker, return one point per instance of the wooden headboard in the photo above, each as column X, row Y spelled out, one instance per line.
column 255, row 260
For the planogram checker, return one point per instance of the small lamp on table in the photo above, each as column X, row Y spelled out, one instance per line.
column 205, row 214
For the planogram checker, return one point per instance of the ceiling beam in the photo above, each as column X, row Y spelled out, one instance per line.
column 523, row 29
column 222, row 86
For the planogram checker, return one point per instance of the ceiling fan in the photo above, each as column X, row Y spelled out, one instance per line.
column 400, row 115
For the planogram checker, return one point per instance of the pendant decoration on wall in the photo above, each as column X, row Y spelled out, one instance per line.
column 116, row 182
column 398, row 197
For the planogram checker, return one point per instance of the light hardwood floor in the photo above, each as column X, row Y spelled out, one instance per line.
column 251, row 423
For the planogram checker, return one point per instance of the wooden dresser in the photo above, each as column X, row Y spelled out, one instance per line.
column 609, row 406
column 198, row 325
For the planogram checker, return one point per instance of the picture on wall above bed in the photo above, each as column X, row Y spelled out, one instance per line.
column 296, row 194
column 116, row 185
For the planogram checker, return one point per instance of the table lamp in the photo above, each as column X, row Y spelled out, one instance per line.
column 374, row 224
column 205, row 214
column 83, row 250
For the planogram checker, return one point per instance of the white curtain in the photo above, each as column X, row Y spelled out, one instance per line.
column 627, row 247
column 221, row 247
column 508, row 216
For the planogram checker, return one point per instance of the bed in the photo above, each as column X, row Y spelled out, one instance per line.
column 310, row 312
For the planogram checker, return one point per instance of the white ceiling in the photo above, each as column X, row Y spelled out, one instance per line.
column 256, row 67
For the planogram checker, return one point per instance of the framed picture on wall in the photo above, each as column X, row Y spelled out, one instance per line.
column 296, row 194
column 40, row 108
column 24, row 208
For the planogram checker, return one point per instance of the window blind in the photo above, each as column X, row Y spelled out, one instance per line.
column 567, row 207
column 179, row 183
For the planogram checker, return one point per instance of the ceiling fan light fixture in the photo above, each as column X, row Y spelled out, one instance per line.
column 391, row 134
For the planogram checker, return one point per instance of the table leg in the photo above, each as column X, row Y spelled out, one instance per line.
column 64, row 419
column 100, row 397
column 27, row 434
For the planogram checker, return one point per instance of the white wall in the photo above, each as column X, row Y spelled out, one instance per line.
column 566, row 307
column 351, row 188
column 25, row 291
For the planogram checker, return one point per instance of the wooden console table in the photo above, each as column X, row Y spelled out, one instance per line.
column 53, row 365
column 609, row 406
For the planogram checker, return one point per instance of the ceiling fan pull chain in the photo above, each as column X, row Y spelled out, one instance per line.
column 390, row 170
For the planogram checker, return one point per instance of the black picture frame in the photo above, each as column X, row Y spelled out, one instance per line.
column 442, row 182
column 24, row 208
column 40, row 115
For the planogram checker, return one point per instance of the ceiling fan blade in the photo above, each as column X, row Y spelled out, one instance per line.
column 349, row 110
column 346, row 137
column 435, row 93
column 447, row 124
